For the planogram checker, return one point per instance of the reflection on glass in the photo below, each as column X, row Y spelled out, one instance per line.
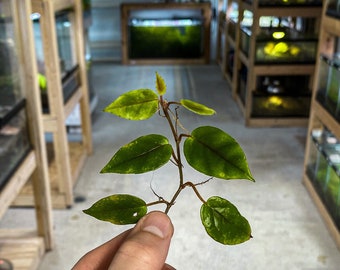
column 14, row 143
column 65, row 45
column 66, row 52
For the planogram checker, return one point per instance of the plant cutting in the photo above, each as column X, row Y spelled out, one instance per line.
column 207, row 149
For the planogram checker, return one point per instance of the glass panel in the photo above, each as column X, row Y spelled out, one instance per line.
column 67, row 55
column 65, row 45
column 10, row 88
column 14, row 143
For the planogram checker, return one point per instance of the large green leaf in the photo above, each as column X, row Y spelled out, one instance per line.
column 223, row 222
column 118, row 209
column 137, row 104
column 144, row 154
column 213, row 152
column 197, row 107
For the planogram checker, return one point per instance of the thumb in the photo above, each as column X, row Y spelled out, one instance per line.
column 147, row 245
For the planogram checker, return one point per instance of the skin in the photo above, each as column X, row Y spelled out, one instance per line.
column 144, row 247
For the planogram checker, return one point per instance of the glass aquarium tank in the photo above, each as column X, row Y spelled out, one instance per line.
column 14, row 140
column 165, row 34
column 324, row 68
column 165, row 38
column 316, row 138
column 281, row 96
column 285, row 45
column 332, row 186
column 328, row 93
column 324, row 170
column 333, row 89
column 67, row 55
column 333, row 8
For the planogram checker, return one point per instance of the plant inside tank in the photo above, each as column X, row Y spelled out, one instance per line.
column 207, row 149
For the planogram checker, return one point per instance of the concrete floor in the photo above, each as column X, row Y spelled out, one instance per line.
column 287, row 229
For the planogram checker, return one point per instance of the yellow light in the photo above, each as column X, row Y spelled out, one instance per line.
column 278, row 35
column 275, row 101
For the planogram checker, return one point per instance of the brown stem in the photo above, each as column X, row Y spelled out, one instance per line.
column 157, row 202
column 193, row 186
column 165, row 108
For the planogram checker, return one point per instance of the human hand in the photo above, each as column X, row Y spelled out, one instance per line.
column 144, row 247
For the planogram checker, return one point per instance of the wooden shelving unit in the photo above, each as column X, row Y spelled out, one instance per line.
column 203, row 7
column 321, row 119
column 245, row 70
column 32, row 243
column 67, row 158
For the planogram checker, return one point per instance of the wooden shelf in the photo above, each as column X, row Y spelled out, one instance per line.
column 65, row 167
column 321, row 119
column 77, row 158
column 256, row 69
column 25, row 249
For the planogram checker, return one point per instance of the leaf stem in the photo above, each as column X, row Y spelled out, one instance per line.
column 193, row 186
column 158, row 202
column 177, row 156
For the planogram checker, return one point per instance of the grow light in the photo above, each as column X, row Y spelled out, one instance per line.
column 164, row 22
column 278, row 34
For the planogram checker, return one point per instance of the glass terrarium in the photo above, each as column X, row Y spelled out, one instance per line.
column 316, row 138
column 324, row 68
column 326, row 141
column 245, row 34
column 324, row 170
column 285, row 45
column 332, row 186
column 232, row 18
column 67, row 55
column 333, row 8
column 287, row 2
column 281, row 96
column 14, row 141
column 242, row 91
column 165, row 34
column 165, row 38
column 332, row 99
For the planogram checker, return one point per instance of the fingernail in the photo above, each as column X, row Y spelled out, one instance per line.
column 158, row 224
column 154, row 230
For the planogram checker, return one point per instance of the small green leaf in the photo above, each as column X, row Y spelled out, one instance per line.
column 197, row 107
column 119, row 209
column 223, row 222
column 213, row 152
column 144, row 154
column 160, row 84
column 137, row 104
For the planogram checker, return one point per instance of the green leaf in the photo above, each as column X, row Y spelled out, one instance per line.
column 160, row 84
column 213, row 152
column 196, row 107
column 223, row 222
column 119, row 209
column 137, row 104
column 144, row 154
